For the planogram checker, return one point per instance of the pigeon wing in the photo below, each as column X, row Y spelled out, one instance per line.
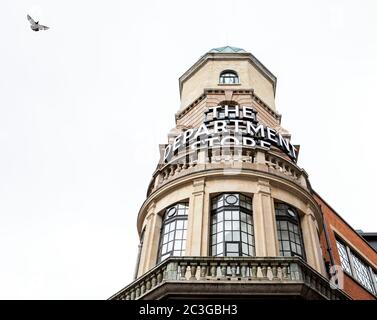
column 30, row 20
column 43, row 27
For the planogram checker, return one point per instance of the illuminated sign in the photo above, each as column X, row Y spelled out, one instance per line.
column 226, row 126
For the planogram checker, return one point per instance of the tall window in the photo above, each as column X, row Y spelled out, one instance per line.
column 344, row 260
column 289, row 231
column 232, row 232
column 229, row 77
column 173, row 231
column 362, row 272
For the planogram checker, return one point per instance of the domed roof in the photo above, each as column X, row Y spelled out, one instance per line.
column 227, row 49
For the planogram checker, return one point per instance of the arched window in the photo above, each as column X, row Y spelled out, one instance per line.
column 229, row 77
column 232, row 232
column 289, row 231
column 173, row 231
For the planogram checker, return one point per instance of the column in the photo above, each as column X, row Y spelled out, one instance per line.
column 266, row 244
column 195, row 219
column 148, row 257
column 311, row 241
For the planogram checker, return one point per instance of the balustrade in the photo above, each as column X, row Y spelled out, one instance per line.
column 277, row 270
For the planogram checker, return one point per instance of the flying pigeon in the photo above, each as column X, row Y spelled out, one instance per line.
column 35, row 26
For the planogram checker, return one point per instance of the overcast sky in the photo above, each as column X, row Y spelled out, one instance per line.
column 84, row 105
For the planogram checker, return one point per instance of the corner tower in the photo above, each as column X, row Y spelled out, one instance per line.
column 228, row 210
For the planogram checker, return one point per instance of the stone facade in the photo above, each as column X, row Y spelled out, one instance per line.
column 266, row 175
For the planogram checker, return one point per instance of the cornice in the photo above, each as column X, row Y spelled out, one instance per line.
column 275, row 180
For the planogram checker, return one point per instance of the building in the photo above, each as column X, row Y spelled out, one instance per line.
column 229, row 213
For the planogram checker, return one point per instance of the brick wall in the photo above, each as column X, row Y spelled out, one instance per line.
column 337, row 226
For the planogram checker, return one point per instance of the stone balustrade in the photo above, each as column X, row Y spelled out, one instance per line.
column 243, row 270
column 215, row 158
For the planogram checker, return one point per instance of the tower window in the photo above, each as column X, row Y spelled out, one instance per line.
column 173, row 231
column 232, row 231
column 229, row 77
column 289, row 231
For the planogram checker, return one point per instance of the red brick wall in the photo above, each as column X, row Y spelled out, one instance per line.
column 333, row 220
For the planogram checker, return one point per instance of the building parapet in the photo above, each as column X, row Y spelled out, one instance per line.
column 237, row 158
column 252, row 275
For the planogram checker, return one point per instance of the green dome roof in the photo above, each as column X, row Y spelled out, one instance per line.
column 227, row 49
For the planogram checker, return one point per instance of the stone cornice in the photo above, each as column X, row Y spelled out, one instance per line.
column 276, row 180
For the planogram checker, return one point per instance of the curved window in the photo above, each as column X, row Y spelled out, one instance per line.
column 289, row 231
column 232, row 232
column 173, row 231
column 229, row 77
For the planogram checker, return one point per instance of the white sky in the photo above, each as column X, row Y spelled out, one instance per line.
column 84, row 105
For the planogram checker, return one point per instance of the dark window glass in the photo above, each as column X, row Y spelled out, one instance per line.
column 232, row 231
column 173, row 231
column 289, row 231
column 229, row 77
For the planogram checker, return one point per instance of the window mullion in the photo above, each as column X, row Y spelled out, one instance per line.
column 352, row 265
column 374, row 283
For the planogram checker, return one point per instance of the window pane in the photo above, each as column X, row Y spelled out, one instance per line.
column 235, row 215
column 232, row 247
column 177, row 245
column 245, row 248
column 236, row 236
column 344, row 260
column 286, row 245
column 232, row 254
column 228, row 236
column 284, row 235
column 283, row 225
column 219, row 237
column 179, row 224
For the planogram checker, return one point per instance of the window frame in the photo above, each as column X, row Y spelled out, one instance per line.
column 229, row 74
column 168, row 221
column 231, row 223
column 355, row 272
column 293, row 231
